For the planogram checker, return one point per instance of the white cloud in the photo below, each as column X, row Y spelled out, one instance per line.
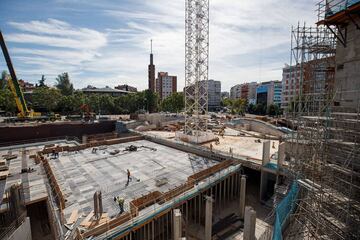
column 119, row 53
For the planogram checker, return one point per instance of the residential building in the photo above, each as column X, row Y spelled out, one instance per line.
column 214, row 94
column 252, row 93
column 106, row 90
column 165, row 85
column 26, row 86
column 235, row 91
column 245, row 91
column 225, row 95
column 290, row 85
column 127, row 88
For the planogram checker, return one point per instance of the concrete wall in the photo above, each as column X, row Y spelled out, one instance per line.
column 23, row 232
column 53, row 130
column 347, row 73
column 259, row 126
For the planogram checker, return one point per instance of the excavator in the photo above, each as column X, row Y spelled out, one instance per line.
column 24, row 113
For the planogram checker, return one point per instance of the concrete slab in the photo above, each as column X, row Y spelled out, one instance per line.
column 81, row 174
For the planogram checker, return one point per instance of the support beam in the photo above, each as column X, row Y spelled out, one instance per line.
column 208, row 217
column 249, row 223
column 281, row 155
column 266, row 153
column 177, row 224
column 242, row 197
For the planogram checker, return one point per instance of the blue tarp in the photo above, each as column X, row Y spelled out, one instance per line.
column 284, row 209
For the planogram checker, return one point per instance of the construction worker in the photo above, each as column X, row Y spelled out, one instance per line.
column 121, row 202
column 128, row 176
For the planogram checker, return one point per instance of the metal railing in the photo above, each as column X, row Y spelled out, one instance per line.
column 328, row 8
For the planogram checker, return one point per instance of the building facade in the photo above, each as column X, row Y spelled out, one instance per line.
column 106, row 90
column 268, row 93
column 214, row 95
column 245, row 91
column 165, row 85
column 235, row 91
column 290, row 85
column 126, row 87
column 251, row 98
column 225, row 95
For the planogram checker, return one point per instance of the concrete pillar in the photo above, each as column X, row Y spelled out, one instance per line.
column 84, row 139
column 281, row 155
column 242, row 197
column 208, row 217
column 177, row 224
column 249, row 223
column 266, row 153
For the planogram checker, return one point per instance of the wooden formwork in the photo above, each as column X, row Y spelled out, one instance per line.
column 209, row 171
column 57, row 149
column 108, row 225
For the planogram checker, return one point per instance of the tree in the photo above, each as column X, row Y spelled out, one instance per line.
column 273, row 110
column 237, row 106
column 64, row 85
column 150, row 101
column 260, row 109
column 251, row 108
column 7, row 101
column 3, row 80
column 173, row 103
column 46, row 99
column 42, row 81
column 71, row 104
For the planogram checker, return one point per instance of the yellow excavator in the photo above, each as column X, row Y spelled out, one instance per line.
column 24, row 113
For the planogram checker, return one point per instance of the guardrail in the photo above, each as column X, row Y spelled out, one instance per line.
column 328, row 8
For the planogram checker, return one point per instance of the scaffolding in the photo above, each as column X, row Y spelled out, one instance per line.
column 324, row 151
column 196, row 66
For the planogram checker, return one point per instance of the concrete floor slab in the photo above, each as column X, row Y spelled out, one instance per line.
column 83, row 173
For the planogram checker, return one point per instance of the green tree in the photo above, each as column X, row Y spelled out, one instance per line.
column 260, row 109
column 3, row 81
column 64, row 84
column 238, row 106
column 45, row 99
column 71, row 104
column 273, row 110
column 150, row 101
column 173, row 103
column 42, row 81
column 251, row 108
column 7, row 101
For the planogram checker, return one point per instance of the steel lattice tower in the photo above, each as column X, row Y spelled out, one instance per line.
column 196, row 65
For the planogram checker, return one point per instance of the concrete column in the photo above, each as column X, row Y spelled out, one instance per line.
column 84, row 139
column 208, row 217
column 177, row 224
column 242, row 197
column 266, row 153
column 281, row 155
column 249, row 223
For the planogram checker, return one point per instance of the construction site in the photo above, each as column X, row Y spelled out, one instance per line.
column 195, row 175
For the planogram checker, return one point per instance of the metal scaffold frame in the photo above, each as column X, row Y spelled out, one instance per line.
column 325, row 157
column 196, row 66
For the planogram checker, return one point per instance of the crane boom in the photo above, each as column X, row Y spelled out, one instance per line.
column 13, row 82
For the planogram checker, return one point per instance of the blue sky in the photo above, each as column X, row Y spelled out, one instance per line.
column 106, row 42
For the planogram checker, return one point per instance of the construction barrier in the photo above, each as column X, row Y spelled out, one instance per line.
column 284, row 209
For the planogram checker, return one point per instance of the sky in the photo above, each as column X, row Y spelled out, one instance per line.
column 107, row 42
